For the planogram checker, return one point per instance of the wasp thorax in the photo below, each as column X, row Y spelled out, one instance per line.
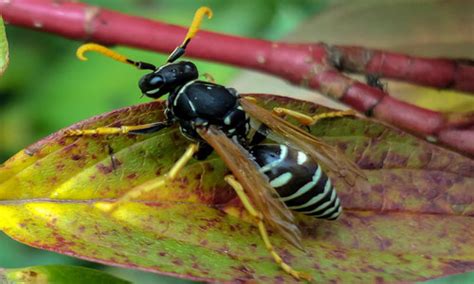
column 167, row 78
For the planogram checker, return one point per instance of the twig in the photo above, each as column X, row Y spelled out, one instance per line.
column 439, row 73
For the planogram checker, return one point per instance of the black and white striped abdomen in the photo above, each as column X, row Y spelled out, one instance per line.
column 300, row 182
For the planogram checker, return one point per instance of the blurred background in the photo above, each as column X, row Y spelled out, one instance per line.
column 46, row 88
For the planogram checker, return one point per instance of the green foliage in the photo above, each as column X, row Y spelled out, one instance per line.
column 57, row 274
column 3, row 48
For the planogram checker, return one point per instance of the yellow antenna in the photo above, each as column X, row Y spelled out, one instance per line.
column 178, row 52
column 111, row 54
column 193, row 29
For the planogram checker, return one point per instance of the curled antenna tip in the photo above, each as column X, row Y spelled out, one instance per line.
column 80, row 53
column 209, row 13
column 205, row 11
column 102, row 50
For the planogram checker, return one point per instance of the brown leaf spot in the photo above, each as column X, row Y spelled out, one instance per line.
column 76, row 157
column 396, row 160
column 196, row 266
column 208, row 167
column 60, row 167
column 384, row 243
column 248, row 275
column 342, row 146
column 223, row 196
column 367, row 163
column 339, row 254
column 286, row 255
column 32, row 273
column 132, row 176
column 379, row 280
column 61, row 241
column 105, row 169
column 279, row 279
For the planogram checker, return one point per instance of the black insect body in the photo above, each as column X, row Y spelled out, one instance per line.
column 202, row 103
column 194, row 103
column 300, row 182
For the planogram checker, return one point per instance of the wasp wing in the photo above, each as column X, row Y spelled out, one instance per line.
column 255, row 184
column 329, row 156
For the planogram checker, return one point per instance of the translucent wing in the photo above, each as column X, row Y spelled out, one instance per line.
column 329, row 156
column 255, row 184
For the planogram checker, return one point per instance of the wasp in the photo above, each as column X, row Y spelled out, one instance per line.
column 270, row 179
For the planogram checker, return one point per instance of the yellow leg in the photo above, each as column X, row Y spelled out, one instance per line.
column 109, row 130
column 263, row 231
column 251, row 99
column 153, row 184
column 310, row 120
column 209, row 77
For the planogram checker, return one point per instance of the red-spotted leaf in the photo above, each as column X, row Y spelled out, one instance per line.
column 414, row 223
column 55, row 274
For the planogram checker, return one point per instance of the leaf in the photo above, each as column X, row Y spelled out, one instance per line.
column 57, row 274
column 3, row 48
column 413, row 224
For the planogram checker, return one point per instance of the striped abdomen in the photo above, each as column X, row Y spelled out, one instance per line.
column 300, row 182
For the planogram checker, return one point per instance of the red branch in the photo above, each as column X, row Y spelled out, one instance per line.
column 311, row 65
column 439, row 73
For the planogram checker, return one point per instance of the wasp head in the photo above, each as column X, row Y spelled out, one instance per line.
column 167, row 78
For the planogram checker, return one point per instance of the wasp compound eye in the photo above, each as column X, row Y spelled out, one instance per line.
column 150, row 84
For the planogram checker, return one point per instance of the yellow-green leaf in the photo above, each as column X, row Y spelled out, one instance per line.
column 414, row 223
column 57, row 274
column 3, row 48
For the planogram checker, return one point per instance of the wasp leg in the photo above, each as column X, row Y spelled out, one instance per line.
column 152, row 184
column 310, row 120
column 209, row 77
column 131, row 129
column 203, row 151
column 263, row 231
column 251, row 99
